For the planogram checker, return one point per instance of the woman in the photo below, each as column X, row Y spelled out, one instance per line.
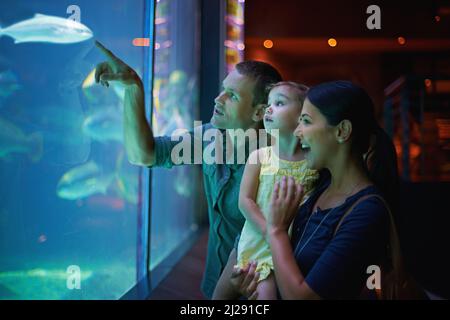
column 342, row 229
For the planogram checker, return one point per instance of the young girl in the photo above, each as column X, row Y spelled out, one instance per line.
column 264, row 168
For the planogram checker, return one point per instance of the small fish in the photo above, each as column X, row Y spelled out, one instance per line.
column 60, row 126
column 85, row 188
column 14, row 141
column 82, row 171
column 51, row 29
column 104, row 126
column 83, row 181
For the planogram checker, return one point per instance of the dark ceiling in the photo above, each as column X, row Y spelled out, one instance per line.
column 302, row 27
column 345, row 18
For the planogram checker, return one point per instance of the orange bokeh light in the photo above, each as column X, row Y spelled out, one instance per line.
column 141, row 42
column 268, row 44
column 332, row 42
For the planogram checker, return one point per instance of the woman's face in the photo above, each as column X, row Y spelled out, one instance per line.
column 317, row 136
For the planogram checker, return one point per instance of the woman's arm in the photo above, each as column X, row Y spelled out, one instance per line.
column 338, row 270
column 289, row 278
column 249, row 190
column 284, row 204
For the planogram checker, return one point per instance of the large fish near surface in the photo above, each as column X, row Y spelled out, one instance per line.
column 14, row 141
column 83, row 181
column 43, row 28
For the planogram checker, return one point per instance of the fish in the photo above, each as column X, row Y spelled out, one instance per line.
column 50, row 29
column 105, row 125
column 83, row 181
column 60, row 125
column 80, row 172
column 14, row 141
column 85, row 188
column 42, row 273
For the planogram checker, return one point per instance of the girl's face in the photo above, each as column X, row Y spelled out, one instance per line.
column 283, row 110
column 317, row 136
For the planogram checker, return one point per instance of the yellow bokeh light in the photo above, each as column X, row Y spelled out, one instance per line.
column 332, row 42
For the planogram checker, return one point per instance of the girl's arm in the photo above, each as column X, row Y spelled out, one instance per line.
column 249, row 190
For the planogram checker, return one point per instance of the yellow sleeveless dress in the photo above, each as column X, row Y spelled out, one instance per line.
column 252, row 245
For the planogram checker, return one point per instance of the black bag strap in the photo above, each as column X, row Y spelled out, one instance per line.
column 394, row 249
column 350, row 209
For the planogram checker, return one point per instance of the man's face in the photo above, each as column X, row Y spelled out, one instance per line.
column 234, row 105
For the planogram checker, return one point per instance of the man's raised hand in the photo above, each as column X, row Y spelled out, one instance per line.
column 114, row 69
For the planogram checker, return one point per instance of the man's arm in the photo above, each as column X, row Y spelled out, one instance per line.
column 139, row 140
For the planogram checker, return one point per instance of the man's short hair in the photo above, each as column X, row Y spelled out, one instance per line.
column 264, row 75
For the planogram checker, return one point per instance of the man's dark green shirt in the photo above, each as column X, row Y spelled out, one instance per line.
column 221, row 183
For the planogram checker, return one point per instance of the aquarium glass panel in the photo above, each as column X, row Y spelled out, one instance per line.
column 70, row 201
column 174, row 207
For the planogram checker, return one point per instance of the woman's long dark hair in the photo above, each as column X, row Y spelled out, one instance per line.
column 343, row 100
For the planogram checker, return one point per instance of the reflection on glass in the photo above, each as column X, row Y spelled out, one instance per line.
column 234, row 41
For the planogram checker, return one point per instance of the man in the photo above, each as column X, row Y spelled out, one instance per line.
column 240, row 105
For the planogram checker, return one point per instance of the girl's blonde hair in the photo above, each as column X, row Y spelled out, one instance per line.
column 301, row 89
